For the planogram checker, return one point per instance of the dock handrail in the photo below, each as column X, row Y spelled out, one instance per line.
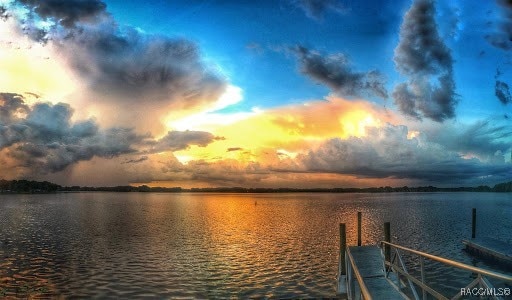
column 454, row 263
column 352, row 268
column 481, row 279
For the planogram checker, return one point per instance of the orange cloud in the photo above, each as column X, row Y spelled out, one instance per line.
column 292, row 128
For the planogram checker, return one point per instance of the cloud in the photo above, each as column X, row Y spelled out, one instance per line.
column 334, row 71
column 502, row 91
column 231, row 149
column 503, row 38
column 121, row 61
column 135, row 161
column 465, row 154
column 135, row 65
column 451, row 22
column 32, row 67
column 316, row 9
column 291, row 127
column 387, row 152
column 181, row 140
column 481, row 139
column 348, row 141
column 102, row 67
column 67, row 12
column 422, row 56
column 43, row 138
column 12, row 104
column 354, row 147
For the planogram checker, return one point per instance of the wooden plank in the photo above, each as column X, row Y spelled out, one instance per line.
column 368, row 261
column 491, row 248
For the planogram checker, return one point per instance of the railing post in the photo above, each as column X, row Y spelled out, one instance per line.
column 387, row 238
column 422, row 266
column 343, row 249
column 473, row 224
column 350, row 279
column 359, row 228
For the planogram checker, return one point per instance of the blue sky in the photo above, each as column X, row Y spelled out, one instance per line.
column 248, row 42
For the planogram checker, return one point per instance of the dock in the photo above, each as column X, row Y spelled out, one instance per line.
column 368, row 264
column 381, row 272
column 489, row 248
column 361, row 269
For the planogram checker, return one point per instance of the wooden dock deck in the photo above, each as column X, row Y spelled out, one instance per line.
column 368, row 261
column 490, row 248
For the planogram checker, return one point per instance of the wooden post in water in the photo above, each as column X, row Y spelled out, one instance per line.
column 343, row 248
column 473, row 224
column 387, row 238
column 359, row 228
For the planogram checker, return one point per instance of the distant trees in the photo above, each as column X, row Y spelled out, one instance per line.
column 120, row 188
column 503, row 187
column 25, row 186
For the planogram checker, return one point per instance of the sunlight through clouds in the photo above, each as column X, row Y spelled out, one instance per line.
column 209, row 117
column 26, row 66
column 139, row 102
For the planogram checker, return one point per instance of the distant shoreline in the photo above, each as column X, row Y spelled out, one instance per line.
column 37, row 187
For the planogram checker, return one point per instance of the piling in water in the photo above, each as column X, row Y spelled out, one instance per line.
column 473, row 224
column 343, row 248
column 387, row 238
column 359, row 228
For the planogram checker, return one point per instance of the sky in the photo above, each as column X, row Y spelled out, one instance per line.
column 282, row 93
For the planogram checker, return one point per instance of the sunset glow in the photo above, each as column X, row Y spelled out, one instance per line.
column 108, row 96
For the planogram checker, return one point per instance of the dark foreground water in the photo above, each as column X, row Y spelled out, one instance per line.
column 136, row 245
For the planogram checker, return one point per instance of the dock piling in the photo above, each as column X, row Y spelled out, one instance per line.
column 359, row 228
column 387, row 238
column 343, row 248
column 473, row 224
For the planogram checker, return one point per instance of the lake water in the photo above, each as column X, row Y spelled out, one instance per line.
column 136, row 245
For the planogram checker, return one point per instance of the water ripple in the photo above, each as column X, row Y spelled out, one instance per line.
column 189, row 246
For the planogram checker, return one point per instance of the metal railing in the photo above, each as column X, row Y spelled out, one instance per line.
column 352, row 271
column 397, row 265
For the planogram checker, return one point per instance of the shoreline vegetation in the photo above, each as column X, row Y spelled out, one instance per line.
column 37, row 187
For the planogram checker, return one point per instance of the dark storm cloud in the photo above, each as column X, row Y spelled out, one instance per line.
column 135, row 161
column 316, row 9
column 134, row 64
column 387, row 153
column 3, row 13
column 334, row 71
column 67, row 12
column 502, row 91
column 503, row 38
column 123, row 61
column 422, row 56
column 11, row 105
column 181, row 140
column 220, row 173
column 44, row 139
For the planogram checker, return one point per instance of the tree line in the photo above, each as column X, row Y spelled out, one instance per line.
column 26, row 186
